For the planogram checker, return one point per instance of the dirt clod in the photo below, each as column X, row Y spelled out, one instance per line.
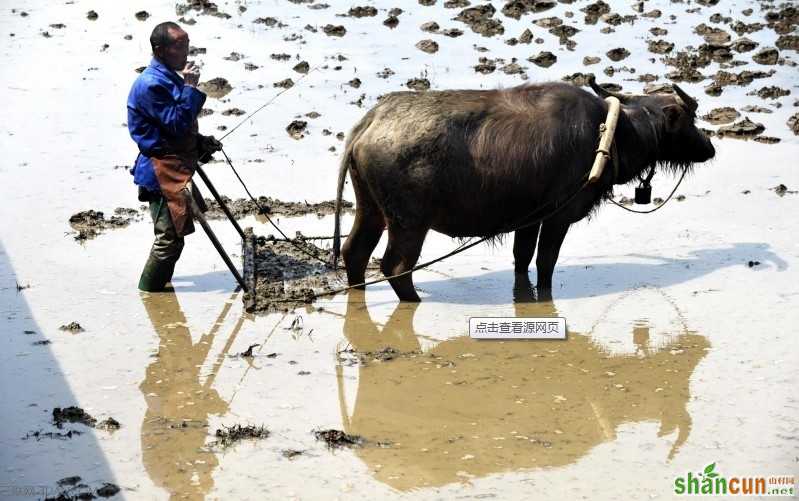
column 228, row 436
column 429, row 46
column 296, row 129
column 418, row 84
column 336, row 439
column 741, row 130
column 617, row 54
column 90, row 223
column 720, row 116
column 72, row 327
column 216, row 87
column 793, row 123
column 334, row 31
column 72, row 414
column 544, row 59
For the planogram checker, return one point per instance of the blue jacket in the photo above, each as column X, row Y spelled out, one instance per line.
column 160, row 107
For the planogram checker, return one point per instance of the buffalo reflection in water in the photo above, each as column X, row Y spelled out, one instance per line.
column 469, row 408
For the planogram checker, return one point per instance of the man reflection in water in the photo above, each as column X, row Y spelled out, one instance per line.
column 178, row 404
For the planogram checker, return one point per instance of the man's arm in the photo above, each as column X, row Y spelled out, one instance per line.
column 175, row 116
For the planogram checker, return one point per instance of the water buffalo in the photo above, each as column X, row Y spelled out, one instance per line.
column 478, row 162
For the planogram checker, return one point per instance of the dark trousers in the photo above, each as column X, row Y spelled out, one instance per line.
column 165, row 251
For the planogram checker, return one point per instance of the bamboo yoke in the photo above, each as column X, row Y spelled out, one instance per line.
column 608, row 130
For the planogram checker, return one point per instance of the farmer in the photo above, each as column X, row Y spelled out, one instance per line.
column 163, row 105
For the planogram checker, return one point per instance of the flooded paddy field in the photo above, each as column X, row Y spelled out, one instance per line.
column 682, row 346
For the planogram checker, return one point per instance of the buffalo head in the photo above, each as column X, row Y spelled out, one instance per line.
column 679, row 141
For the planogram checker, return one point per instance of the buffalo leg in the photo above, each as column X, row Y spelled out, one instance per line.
column 524, row 247
column 402, row 252
column 365, row 233
column 552, row 235
column 364, row 236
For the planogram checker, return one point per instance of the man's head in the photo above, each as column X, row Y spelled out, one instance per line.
column 170, row 45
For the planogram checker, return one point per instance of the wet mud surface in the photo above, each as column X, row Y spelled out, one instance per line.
column 290, row 273
column 91, row 223
column 244, row 207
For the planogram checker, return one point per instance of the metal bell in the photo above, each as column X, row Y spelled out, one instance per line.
column 643, row 195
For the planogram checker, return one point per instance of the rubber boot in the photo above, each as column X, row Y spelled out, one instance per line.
column 156, row 274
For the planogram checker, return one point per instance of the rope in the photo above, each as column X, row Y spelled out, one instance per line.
column 264, row 213
column 659, row 206
column 267, row 103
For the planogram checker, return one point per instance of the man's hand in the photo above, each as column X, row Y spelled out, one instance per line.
column 191, row 74
column 206, row 146
column 212, row 144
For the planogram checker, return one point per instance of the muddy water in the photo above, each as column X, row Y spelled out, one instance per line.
column 679, row 353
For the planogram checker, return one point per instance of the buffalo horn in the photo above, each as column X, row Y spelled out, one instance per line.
column 689, row 102
column 604, row 93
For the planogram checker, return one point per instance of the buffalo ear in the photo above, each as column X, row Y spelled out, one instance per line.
column 673, row 114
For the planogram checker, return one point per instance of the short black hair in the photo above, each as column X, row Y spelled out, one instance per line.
column 160, row 36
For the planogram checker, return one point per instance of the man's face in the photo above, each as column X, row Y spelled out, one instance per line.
column 176, row 53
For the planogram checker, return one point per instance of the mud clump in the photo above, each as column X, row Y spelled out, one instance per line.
column 481, row 20
column 362, row 12
column 753, row 108
column 544, row 59
column 783, row 190
column 517, row 8
column 788, row 42
column 216, row 87
column 72, row 414
column 296, row 129
column 291, row 453
column 334, row 31
column 793, row 123
column 767, row 56
column 485, row 66
column 617, row 54
column 743, row 45
column 744, row 129
column 228, row 436
column 109, row 424
column 418, row 84
column 712, row 35
column 579, row 79
column 73, row 327
column 236, row 112
column 428, row 46
column 721, row 116
column 336, row 439
column 660, row 46
column 204, row 7
column 770, row 92
column 90, row 223
column 391, row 22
